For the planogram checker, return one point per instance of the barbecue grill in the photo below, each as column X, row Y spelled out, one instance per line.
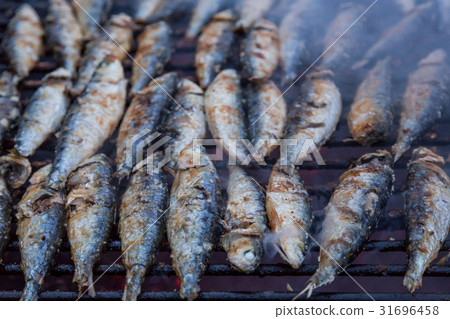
column 379, row 268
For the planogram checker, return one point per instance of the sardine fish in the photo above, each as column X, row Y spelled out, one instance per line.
column 9, row 104
column 91, row 13
column 202, row 14
column 251, row 11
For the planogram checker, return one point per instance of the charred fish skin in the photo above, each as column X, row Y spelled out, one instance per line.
column 24, row 43
column 245, row 221
column 142, row 223
column 352, row 214
column 195, row 211
column 64, row 34
column 371, row 115
column 427, row 213
column 401, row 35
column 290, row 214
column 9, row 103
column 40, row 230
column 90, row 205
column 267, row 114
column 251, row 11
column 155, row 47
column 425, row 97
column 186, row 121
column 203, row 13
column 225, row 114
column 97, row 13
column 45, row 112
column 90, row 121
column 260, row 51
column 214, row 47
column 341, row 54
column 120, row 29
column 315, row 115
column 144, row 114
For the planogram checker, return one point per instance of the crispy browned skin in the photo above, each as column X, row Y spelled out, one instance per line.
column 225, row 114
column 142, row 222
column 91, row 120
column 90, row 206
column 245, row 221
column 9, row 104
column 195, row 210
column 371, row 115
column 427, row 213
column 202, row 14
column 120, row 29
column 186, row 120
column 142, row 119
column 251, row 11
column 290, row 214
column 23, row 45
column 40, row 230
column 155, row 47
column 266, row 116
column 214, row 47
column 97, row 13
column 424, row 100
column 352, row 214
column 64, row 34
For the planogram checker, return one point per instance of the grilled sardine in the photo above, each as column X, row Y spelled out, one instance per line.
column 371, row 114
column 142, row 223
column 154, row 50
column 195, row 211
column 245, row 221
column 143, row 117
column 90, row 121
column 143, row 9
column 260, row 51
column 24, row 43
column 9, row 104
column 225, row 114
column 45, row 112
column 352, row 214
column 203, row 13
column 425, row 98
column 40, row 229
column 427, row 212
column 251, row 11
column 214, row 47
column 90, row 208
column 186, row 121
column 290, row 214
column 90, row 14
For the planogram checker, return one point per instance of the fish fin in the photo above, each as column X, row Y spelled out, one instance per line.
column 308, row 290
column 31, row 291
column 442, row 261
column 135, row 277
column 121, row 173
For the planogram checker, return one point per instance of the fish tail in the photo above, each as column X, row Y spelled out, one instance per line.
column 399, row 149
column 135, row 277
column 84, row 278
column 31, row 291
column 412, row 279
column 190, row 287
column 322, row 277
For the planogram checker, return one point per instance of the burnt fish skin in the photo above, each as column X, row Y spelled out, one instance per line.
column 155, row 47
column 194, row 214
column 400, row 35
column 142, row 223
column 202, row 14
column 260, row 51
column 225, row 114
column 186, row 121
column 45, row 112
column 427, row 213
column 214, row 47
column 424, row 100
column 90, row 206
column 267, row 115
column 245, row 221
column 91, row 120
column 341, row 54
column 64, row 34
column 352, row 215
column 24, row 44
column 9, row 104
column 97, row 13
column 40, row 230
column 315, row 115
column 14, row 172
column 143, row 114
column 372, row 112
column 290, row 214
column 251, row 11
